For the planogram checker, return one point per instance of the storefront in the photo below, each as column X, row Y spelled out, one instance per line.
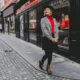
column 33, row 25
column 29, row 20
column 9, row 20
column 69, row 26
column 30, row 17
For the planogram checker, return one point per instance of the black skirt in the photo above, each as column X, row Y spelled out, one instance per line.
column 47, row 44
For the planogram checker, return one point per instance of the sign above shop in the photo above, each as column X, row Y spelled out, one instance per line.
column 8, row 11
column 27, row 5
column 60, row 3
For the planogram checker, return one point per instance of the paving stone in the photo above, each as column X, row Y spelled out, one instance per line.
column 14, row 67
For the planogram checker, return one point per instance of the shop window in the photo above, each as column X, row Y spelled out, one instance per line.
column 0, row 27
column 21, row 27
column 6, row 24
column 62, row 16
column 32, row 26
column 12, row 24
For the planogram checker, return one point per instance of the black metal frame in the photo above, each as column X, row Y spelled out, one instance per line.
column 26, row 28
column 17, row 24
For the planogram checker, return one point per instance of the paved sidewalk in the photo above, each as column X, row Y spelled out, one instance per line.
column 61, row 66
column 15, row 67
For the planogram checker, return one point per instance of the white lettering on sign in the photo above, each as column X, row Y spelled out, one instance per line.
column 60, row 3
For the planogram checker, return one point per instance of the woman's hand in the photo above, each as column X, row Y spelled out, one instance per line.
column 54, row 40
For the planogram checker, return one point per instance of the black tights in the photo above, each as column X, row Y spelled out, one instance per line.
column 48, row 54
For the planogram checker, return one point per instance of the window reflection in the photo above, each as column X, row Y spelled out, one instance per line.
column 62, row 16
column 32, row 25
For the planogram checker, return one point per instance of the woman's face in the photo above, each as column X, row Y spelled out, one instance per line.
column 48, row 12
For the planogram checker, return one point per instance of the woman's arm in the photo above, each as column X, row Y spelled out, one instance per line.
column 45, row 30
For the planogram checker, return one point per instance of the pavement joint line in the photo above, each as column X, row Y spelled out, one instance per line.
column 46, row 73
column 32, row 65
column 60, row 62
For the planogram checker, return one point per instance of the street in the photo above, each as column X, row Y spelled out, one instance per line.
column 14, row 66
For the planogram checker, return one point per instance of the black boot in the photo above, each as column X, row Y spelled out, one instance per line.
column 40, row 65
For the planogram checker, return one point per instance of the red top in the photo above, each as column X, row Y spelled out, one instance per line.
column 62, row 24
column 52, row 23
column 67, row 23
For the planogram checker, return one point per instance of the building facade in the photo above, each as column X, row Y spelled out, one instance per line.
column 1, row 4
column 24, row 20
column 9, row 16
column 30, row 14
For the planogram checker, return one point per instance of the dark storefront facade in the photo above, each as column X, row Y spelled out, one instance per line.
column 29, row 21
column 9, row 19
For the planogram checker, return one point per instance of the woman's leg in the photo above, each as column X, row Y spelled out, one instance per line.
column 43, row 59
column 49, row 57
column 45, row 56
column 48, row 54
column 49, row 62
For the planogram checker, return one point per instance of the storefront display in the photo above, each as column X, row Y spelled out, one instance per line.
column 9, row 19
column 9, row 24
column 35, row 14
column 62, row 15
column 64, row 22
column 32, row 25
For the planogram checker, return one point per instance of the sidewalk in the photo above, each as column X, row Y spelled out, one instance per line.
column 61, row 66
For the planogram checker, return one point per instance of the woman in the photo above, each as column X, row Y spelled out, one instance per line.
column 49, row 28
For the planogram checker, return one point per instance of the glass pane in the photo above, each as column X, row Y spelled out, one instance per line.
column 61, row 14
column 12, row 24
column 21, row 27
column 32, row 25
column 6, row 25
